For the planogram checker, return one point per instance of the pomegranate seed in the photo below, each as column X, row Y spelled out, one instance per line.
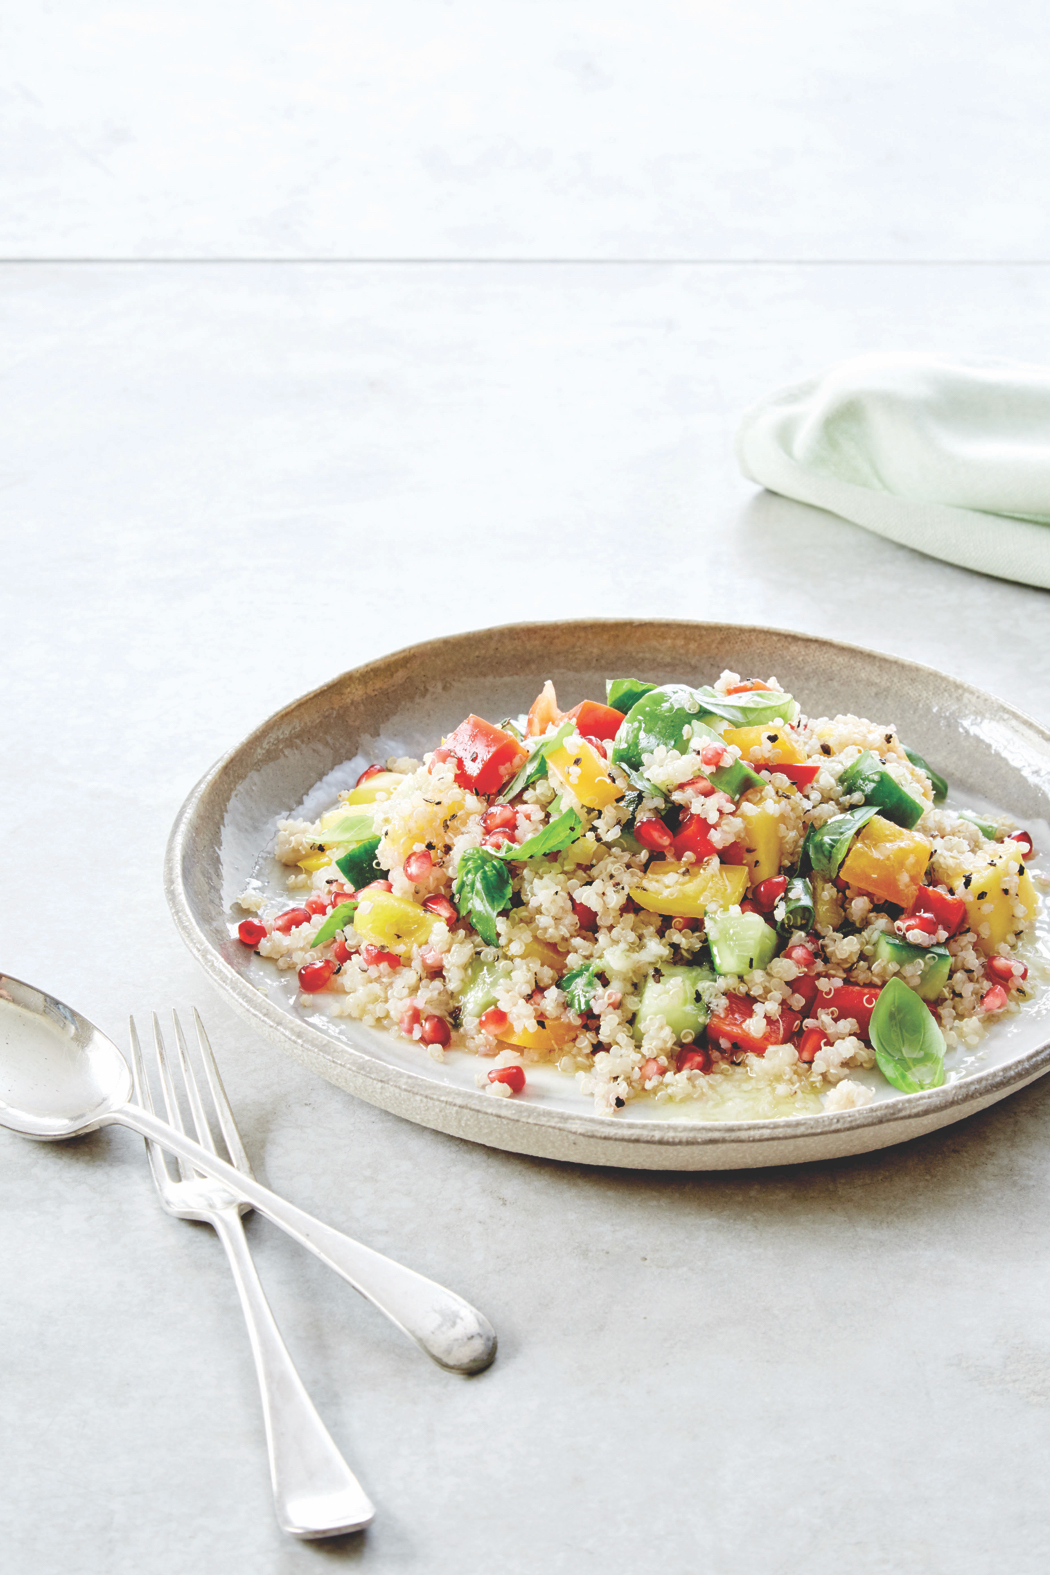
column 698, row 785
column 373, row 888
column 1001, row 969
column 496, row 840
column 586, row 917
column 442, row 907
column 800, row 955
column 653, row 834
column 418, row 866
column 251, row 932
column 372, row 956
column 693, row 1061
column 291, row 919
column 681, row 922
column 994, row 999
column 315, row 976
column 713, row 754
column 341, row 952
column 435, row 1031
column 431, row 959
column 513, row 1076
column 812, row 1040
column 919, row 921
column 408, row 1018
column 336, row 897
column 769, row 892
column 1027, row 845
column 752, row 907
column 651, row 1068
column 500, row 817
column 440, row 755
column 598, row 745
column 493, row 1022
column 369, row 771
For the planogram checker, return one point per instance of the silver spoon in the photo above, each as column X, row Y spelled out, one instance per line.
column 61, row 1077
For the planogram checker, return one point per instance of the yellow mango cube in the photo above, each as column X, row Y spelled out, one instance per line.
column 314, row 861
column 761, row 839
column 887, row 862
column 990, row 902
column 584, row 773
column 383, row 782
column 827, row 903
column 687, row 891
column 773, row 746
column 394, row 923
column 545, row 1036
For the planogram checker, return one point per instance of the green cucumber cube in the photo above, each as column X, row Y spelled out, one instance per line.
column 936, row 961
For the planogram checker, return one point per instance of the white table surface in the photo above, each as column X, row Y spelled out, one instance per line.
column 222, row 483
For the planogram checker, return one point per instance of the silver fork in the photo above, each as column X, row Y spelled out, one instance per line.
column 315, row 1493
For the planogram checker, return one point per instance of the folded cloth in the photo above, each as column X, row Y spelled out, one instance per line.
column 947, row 457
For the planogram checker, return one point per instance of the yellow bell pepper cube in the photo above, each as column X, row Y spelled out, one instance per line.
column 543, row 952
column 771, row 746
column 887, row 862
column 761, row 839
column 545, row 1036
column 990, row 902
column 687, row 891
column 383, row 782
column 392, row 922
column 582, row 772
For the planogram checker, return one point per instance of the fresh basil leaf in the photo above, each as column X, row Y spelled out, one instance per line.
column 666, row 715
column 482, row 889
column 556, row 834
column 748, row 709
column 360, row 865
column 351, row 828
column 536, row 765
column 337, row 920
column 579, row 986
column 862, row 775
column 794, row 910
column 826, row 846
column 986, row 827
column 909, row 1045
column 641, row 784
column 623, row 693
column 937, row 782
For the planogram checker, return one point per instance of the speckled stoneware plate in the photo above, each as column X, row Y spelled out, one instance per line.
column 401, row 704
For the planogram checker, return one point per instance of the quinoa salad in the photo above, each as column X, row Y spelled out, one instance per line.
column 698, row 898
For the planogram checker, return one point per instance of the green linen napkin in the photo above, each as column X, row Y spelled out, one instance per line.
column 950, row 458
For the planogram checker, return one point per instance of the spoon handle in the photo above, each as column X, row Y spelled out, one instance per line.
column 449, row 1329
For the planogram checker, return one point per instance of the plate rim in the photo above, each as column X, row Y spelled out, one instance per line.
column 977, row 1089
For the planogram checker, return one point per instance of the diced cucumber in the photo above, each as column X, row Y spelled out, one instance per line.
column 936, row 962
column 739, row 942
column 675, row 997
column 479, row 992
column 869, row 776
column 360, row 865
column 734, row 779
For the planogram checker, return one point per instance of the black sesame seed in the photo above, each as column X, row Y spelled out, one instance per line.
column 981, row 895
column 620, row 1102
column 825, row 749
column 966, row 882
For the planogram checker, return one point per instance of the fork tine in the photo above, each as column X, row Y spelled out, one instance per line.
column 171, row 1103
column 157, row 1159
column 238, row 1156
column 200, row 1120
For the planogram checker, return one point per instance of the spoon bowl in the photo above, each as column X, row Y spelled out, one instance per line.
column 59, row 1076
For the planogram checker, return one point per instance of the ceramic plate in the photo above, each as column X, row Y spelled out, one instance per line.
column 298, row 760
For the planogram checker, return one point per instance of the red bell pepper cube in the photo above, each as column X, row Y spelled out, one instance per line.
column 726, row 1031
column 694, row 836
column 850, row 1000
column 486, row 757
column 948, row 911
column 594, row 720
column 802, row 776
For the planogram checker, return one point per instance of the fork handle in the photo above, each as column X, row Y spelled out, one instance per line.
column 315, row 1493
column 448, row 1328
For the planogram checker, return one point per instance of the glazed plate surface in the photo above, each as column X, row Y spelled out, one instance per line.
column 298, row 760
